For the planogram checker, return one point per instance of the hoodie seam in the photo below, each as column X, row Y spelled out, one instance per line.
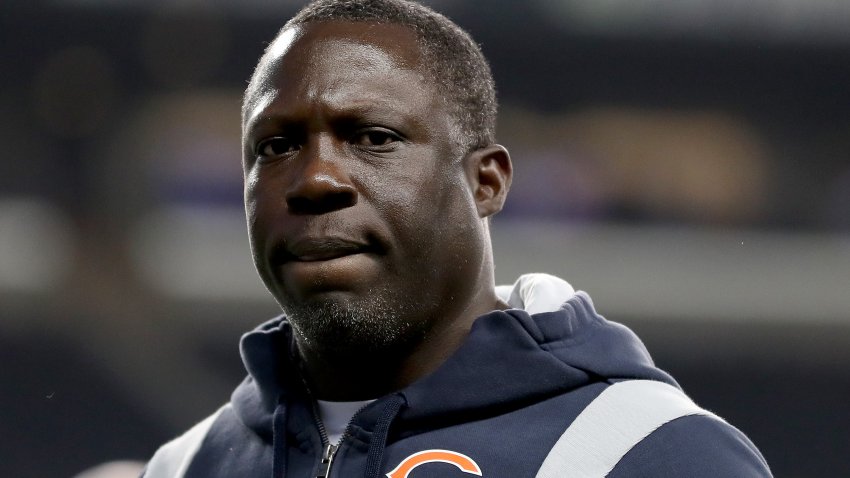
column 594, row 325
column 580, row 304
column 567, row 342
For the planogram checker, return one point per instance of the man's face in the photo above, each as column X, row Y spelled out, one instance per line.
column 360, row 214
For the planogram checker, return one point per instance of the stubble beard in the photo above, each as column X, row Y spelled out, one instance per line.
column 372, row 326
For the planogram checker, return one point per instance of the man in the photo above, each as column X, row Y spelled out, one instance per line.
column 371, row 172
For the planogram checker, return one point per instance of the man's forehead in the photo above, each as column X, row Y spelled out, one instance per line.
column 397, row 42
column 343, row 44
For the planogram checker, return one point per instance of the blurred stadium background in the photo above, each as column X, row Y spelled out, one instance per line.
column 687, row 162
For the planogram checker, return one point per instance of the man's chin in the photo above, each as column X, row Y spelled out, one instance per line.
column 337, row 323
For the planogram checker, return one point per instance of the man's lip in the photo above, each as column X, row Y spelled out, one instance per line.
column 323, row 248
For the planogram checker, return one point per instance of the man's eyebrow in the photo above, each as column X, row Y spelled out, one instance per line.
column 272, row 120
column 360, row 111
column 383, row 111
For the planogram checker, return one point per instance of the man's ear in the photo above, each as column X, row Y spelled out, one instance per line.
column 489, row 172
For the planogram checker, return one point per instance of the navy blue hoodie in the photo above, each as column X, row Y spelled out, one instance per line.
column 496, row 408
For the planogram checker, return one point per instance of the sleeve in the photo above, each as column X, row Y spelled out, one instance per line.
column 697, row 446
column 173, row 459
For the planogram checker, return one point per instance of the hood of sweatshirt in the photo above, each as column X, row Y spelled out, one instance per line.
column 510, row 359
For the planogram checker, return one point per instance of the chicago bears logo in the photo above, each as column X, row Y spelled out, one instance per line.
column 463, row 462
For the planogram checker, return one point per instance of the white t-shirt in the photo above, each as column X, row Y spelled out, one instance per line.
column 336, row 416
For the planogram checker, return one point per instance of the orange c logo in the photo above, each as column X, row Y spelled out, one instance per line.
column 465, row 463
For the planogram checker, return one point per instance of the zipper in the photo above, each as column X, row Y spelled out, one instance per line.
column 327, row 460
column 330, row 449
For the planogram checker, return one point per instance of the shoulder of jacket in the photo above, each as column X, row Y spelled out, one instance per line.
column 626, row 420
column 173, row 459
column 699, row 446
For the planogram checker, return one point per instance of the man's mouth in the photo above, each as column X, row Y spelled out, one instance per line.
column 324, row 249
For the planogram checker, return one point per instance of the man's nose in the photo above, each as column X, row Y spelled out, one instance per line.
column 322, row 183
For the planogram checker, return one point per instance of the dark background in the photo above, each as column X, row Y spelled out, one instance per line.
column 686, row 162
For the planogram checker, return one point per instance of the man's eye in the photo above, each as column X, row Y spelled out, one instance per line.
column 375, row 138
column 276, row 146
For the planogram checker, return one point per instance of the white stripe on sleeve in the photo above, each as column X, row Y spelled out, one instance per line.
column 612, row 424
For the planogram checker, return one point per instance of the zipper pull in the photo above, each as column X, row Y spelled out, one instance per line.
column 327, row 461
